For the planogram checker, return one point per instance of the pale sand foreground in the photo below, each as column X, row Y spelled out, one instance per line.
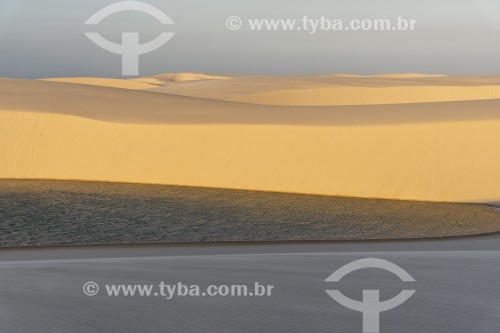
column 455, row 291
column 428, row 151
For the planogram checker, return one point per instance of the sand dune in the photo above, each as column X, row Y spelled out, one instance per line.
column 104, row 82
column 407, row 75
column 340, row 89
column 141, row 107
column 319, row 90
column 427, row 151
column 182, row 77
column 144, row 83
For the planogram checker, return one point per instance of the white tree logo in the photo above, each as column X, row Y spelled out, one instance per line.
column 371, row 306
column 130, row 49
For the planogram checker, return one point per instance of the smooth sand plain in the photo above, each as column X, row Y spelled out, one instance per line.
column 411, row 137
column 454, row 290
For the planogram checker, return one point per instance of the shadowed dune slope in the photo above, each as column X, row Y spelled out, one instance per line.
column 130, row 106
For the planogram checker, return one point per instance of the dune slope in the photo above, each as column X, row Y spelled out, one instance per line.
column 143, row 107
column 428, row 151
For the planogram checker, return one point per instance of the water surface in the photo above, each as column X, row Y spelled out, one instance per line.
column 64, row 212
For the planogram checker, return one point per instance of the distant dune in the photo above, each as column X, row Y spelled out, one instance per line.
column 369, row 137
column 341, row 89
column 319, row 90
column 104, row 82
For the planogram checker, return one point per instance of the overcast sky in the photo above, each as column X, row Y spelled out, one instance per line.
column 45, row 38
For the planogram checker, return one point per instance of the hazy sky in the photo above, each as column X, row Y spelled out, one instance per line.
column 45, row 38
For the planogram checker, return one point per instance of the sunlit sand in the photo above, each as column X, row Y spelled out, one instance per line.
column 412, row 137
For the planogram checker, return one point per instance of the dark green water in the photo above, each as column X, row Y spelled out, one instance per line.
column 59, row 212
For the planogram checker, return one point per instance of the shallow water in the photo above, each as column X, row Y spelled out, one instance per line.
column 63, row 212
